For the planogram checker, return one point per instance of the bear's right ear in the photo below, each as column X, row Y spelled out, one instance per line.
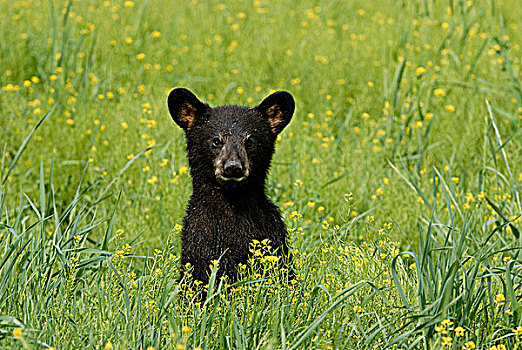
column 184, row 107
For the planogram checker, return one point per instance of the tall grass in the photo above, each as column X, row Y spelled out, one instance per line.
column 71, row 279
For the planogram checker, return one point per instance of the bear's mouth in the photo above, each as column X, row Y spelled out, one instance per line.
column 231, row 179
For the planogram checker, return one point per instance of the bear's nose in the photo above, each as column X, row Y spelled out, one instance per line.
column 233, row 168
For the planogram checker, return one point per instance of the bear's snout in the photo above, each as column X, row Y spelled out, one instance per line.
column 231, row 164
column 233, row 168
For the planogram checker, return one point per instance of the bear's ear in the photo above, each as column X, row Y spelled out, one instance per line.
column 278, row 108
column 184, row 107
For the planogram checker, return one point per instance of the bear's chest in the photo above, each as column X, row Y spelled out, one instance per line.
column 224, row 225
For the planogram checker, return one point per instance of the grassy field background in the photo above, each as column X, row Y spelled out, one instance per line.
column 399, row 177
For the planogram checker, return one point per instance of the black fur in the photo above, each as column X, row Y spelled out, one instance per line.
column 229, row 152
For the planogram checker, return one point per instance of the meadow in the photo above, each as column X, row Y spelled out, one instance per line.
column 399, row 177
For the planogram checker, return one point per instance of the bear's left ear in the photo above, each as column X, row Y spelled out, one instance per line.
column 278, row 108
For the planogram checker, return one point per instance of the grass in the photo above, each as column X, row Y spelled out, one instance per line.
column 399, row 178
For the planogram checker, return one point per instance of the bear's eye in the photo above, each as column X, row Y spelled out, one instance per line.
column 249, row 143
column 216, row 142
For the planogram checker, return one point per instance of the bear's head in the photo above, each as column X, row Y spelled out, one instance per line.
column 230, row 146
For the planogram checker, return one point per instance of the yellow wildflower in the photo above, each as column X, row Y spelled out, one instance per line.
column 420, row 70
column 18, row 333
column 447, row 341
column 469, row 345
column 450, row 108
column 459, row 331
column 439, row 92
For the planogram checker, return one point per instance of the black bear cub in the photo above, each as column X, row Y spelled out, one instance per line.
column 229, row 152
